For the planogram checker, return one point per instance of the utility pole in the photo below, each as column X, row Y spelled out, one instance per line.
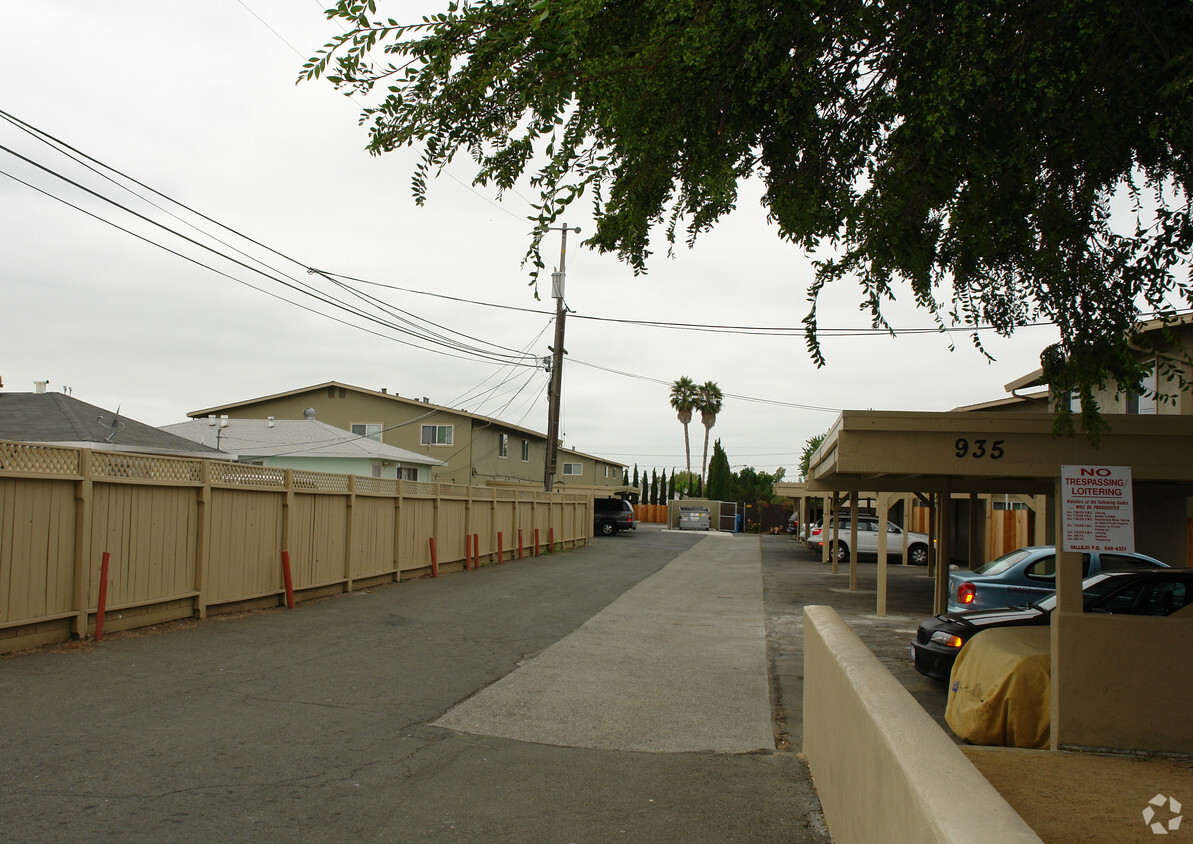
column 554, row 395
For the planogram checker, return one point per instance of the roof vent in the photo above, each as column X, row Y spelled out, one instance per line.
column 270, row 421
column 309, row 413
column 39, row 387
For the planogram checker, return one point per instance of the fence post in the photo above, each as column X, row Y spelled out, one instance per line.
column 287, row 508
column 288, row 580
column 348, row 507
column 551, row 540
column 476, row 550
column 398, row 530
column 493, row 524
column 519, row 543
column 102, row 604
column 202, row 537
column 84, row 502
column 435, row 529
column 536, row 542
column 467, row 550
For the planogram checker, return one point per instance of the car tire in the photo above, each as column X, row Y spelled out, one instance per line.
column 608, row 528
column 842, row 552
column 917, row 554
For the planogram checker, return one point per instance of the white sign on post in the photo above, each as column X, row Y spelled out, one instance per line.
column 1097, row 508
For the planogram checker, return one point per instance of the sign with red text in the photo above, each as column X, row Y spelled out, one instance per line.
column 1097, row 508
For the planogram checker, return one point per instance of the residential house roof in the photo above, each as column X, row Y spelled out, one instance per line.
column 382, row 394
column 64, row 420
column 254, row 438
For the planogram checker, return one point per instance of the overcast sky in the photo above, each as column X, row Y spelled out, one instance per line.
column 198, row 101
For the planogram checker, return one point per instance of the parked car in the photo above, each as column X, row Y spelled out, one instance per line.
column 611, row 515
column 1027, row 574
column 1147, row 591
column 792, row 524
column 867, row 540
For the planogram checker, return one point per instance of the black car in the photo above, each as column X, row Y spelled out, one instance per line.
column 609, row 515
column 1143, row 592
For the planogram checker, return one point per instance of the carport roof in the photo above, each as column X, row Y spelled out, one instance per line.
column 893, row 451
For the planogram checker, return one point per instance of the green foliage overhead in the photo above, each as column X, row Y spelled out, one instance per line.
column 967, row 150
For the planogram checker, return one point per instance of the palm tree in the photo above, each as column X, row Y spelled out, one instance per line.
column 709, row 400
column 683, row 399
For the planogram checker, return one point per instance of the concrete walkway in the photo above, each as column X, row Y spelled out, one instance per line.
column 676, row 664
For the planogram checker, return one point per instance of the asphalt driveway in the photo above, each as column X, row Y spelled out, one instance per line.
column 334, row 721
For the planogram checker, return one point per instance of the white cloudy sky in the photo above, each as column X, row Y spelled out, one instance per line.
column 198, row 101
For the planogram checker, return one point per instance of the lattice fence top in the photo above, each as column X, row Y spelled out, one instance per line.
column 243, row 475
column 38, row 459
column 143, row 467
column 320, row 481
column 419, row 488
column 377, row 486
column 507, row 494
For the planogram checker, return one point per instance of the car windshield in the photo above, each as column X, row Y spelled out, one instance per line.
column 1001, row 564
column 1091, row 589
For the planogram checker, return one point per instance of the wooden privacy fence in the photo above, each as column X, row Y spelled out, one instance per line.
column 189, row 536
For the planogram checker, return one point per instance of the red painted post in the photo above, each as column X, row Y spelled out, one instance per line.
column 551, row 535
column 434, row 559
column 500, row 550
column 288, row 577
column 476, row 550
column 519, row 543
column 467, row 550
column 536, row 542
column 103, row 598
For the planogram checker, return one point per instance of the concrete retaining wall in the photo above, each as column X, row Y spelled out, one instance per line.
column 885, row 771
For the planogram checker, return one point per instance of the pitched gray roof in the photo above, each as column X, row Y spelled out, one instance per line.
column 250, row 438
column 62, row 419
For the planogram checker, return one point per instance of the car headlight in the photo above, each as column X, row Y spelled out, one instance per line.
column 949, row 640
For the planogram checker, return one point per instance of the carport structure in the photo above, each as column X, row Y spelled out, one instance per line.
column 1117, row 681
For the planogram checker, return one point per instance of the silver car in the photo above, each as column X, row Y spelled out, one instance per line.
column 867, row 540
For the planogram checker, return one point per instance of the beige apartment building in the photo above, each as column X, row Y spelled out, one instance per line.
column 477, row 450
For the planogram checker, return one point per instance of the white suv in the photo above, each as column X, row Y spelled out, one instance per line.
column 867, row 540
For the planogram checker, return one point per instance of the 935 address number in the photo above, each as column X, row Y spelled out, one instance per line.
column 979, row 448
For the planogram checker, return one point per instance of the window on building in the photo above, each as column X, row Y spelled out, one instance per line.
column 503, row 447
column 573, row 468
column 525, row 451
column 408, row 473
column 376, row 469
column 1145, row 402
column 436, row 435
column 372, row 430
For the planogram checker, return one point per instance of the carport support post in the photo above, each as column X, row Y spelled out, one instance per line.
column 1068, row 603
column 944, row 521
column 907, row 499
column 975, row 528
column 853, row 540
column 826, row 515
column 933, row 549
column 831, row 536
column 883, row 507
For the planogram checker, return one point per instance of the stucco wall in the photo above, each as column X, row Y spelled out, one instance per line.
column 1123, row 682
column 884, row 770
